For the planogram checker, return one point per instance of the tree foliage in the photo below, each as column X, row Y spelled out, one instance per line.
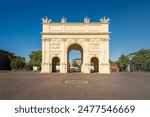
column 123, row 61
column 138, row 61
column 17, row 62
column 113, row 63
column 141, row 60
column 35, row 58
column 11, row 56
column 74, row 63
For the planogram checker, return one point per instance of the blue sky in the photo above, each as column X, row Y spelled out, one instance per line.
column 20, row 22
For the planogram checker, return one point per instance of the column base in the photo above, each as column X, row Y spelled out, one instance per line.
column 46, row 68
column 104, row 69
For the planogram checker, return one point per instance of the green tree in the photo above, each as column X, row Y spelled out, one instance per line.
column 113, row 63
column 17, row 63
column 11, row 56
column 141, row 60
column 35, row 58
column 74, row 63
column 123, row 61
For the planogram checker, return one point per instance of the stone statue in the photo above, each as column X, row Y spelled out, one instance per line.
column 104, row 20
column 86, row 19
column 63, row 19
column 46, row 20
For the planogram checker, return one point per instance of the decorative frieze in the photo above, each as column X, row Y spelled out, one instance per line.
column 46, row 39
column 94, row 47
column 63, row 40
column 104, row 39
column 55, row 46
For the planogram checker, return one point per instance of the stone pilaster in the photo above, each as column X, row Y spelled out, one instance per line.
column 63, row 65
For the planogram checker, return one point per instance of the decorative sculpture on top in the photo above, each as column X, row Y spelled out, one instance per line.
column 104, row 20
column 86, row 19
column 63, row 19
column 46, row 20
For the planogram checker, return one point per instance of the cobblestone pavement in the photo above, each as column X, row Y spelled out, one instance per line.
column 34, row 85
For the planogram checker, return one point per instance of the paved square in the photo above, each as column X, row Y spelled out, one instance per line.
column 34, row 85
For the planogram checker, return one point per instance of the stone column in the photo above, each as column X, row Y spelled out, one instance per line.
column 43, row 56
column 46, row 65
column 43, row 51
column 63, row 63
column 86, row 62
column 107, row 70
column 104, row 63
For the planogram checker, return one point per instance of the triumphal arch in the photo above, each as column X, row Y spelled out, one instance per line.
column 90, row 38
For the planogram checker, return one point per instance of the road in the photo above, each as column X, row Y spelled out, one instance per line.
column 74, row 86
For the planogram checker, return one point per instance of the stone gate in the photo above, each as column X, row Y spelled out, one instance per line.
column 90, row 38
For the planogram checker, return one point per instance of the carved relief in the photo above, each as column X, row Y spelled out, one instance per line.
column 75, row 40
column 46, row 38
column 53, row 40
column 58, row 40
column 97, row 40
column 94, row 47
column 63, row 40
column 55, row 46
column 94, row 40
column 86, row 39
column 69, row 40
column 55, row 55
column 104, row 39
column 91, row 40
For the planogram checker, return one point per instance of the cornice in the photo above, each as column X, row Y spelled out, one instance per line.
column 76, row 33
column 74, row 23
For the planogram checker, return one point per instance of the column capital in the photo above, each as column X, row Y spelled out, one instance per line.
column 46, row 39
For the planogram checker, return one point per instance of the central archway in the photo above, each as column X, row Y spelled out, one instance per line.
column 78, row 47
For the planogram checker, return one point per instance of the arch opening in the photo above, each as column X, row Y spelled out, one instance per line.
column 55, row 64
column 74, row 58
column 94, row 65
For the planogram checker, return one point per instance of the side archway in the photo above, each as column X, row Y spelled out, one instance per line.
column 55, row 64
column 94, row 65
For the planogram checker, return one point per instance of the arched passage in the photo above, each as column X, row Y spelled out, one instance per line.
column 55, row 64
column 74, row 46
column 94, row 64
